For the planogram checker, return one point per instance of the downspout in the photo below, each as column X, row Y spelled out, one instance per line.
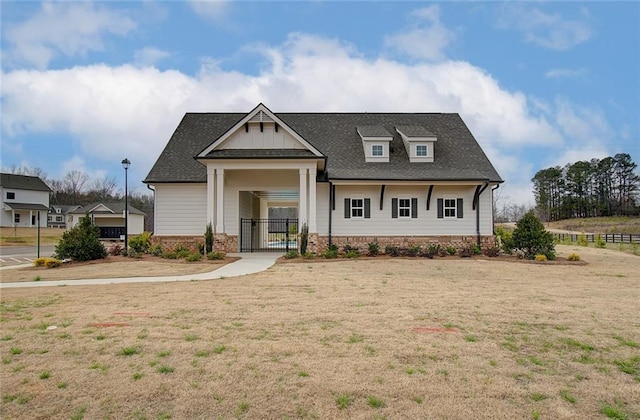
column 493, row 220
column 486, row 184
column 331, row 199
column 154, row 206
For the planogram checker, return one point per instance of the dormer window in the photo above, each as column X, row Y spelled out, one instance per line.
column 418, row 141
column 375, row 142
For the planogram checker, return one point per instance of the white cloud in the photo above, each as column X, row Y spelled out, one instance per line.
column 562, row 73
column 426, row 38
column 62, row 28
column 546, row 30
column 132, row 111
column 149, row 56
column 210, row 9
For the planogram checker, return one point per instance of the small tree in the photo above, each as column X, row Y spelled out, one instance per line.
column 81, row 243
column 531, row 237
column 208, row 239
column 304, row 237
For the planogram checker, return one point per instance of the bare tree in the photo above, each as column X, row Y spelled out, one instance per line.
column 74, row 184
column 103, row 188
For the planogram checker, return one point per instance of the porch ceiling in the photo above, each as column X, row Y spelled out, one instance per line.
column 282, row 195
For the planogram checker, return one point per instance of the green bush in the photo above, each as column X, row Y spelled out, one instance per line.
column 308, row 255
column 451, row 250
column 156, row 250
column 208, row 238
column 140, row 243
column 600, row 243
column 329, row 253
column 291, row 254
column 81, row 242
column 413, row 250
column 476, row 249
column 215, row 255
column 193, row 256
column 181, row 251
column 582, row 240
column 374, row 249
column 505, row 239
column 431, row 251
column 466, row 252
column 532, row 239
column 392, row 251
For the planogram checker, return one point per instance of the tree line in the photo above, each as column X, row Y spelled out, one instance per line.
column 595, row 188
column 77, row 188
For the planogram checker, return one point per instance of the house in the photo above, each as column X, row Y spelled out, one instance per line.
column 109, row 218
column 58, row 215
column 353, row 178
column 25, row 201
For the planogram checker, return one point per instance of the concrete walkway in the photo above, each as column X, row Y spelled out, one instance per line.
column 247, row 264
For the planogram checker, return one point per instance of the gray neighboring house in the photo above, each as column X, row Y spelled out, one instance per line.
column 24, row 198
column 109, row 218
column 352, row 178
column 59, row 215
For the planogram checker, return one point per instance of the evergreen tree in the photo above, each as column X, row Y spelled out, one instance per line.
column 531, row 237
column 81, row 243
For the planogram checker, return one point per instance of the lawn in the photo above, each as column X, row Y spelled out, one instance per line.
column 388, row 338
column 23, row 236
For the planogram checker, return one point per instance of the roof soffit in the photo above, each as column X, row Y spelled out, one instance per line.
column 263, row 114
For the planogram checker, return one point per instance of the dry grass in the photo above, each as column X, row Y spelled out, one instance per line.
column 24, row 236
column 450, row 338
column 598, row 225
column 113, row 267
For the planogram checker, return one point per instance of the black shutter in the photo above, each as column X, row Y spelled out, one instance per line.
column 414, row 208
column 367, row 208
column 394, row 208
column 347, row 208
column 459, row 208
column 440, row 208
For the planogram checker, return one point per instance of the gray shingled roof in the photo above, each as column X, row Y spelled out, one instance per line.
column 23, row 182
column 373, row 131
column 116, row 208
column 457, row 154
column 415, row 131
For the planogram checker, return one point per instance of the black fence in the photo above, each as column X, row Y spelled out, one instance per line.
column 111, row 232
column 265, row 235
column 612, row 238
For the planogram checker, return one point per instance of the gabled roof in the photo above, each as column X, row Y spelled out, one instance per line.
column 23, row 182
column 105, row 208
column 458, row 156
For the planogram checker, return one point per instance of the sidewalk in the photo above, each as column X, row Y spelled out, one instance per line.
column 247, row 264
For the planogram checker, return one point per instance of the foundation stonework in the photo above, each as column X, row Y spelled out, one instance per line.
column 362, row 242
column 170, row 242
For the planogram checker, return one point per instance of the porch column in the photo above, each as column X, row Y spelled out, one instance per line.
column 312, row 201
column 302, row 199
column 211, row 183
column 220, row 200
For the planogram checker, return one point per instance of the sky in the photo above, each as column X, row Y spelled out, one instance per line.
column 540, row 84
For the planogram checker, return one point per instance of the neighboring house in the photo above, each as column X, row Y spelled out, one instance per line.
column 59, row 215
column 353, row 178
column 109, row 217
column 24, row 200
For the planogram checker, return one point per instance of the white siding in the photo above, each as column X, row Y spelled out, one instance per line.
column 181, row 209
column 28, row 197
column 427, row 223
column 322, row 205
column 265, row 139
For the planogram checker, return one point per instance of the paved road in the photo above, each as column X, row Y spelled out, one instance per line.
column 11, row 255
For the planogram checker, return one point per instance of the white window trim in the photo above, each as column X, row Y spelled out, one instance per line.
column 353, row 216
column 454, row 208
column 374, row 146
column 400, row 207
column 426, row 150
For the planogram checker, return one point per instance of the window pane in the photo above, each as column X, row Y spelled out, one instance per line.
column 357, row 207
column 421, row 150
column 376, row 150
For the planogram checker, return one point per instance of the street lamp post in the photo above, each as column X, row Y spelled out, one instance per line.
column 125, row 164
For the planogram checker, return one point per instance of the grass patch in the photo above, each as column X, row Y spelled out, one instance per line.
column 623, row 341
column 344, row 400
column 45, row 374
column 128, row 351
column 219, row 349
column 579, row 345
column 538, row 397
column 613, row 411
column 164, row 369
column 375, row 402
column 567, row 396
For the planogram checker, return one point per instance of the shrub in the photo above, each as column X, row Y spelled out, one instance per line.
column 600, row 243
column 494, row 251
column 47, row 262
column 39, row 262
column 541, row 257
column 573, row 257
column 393, row 251
column 181, row 251
column 374, row 249
column 304, row 238
column 208, row 238
column 431, row 251
column 352, row 253
column 169, row 255
column 466, row 252
column 156, row 250
column 193, row 256
column 81, row 242
column 505, row 239
column 582, row 240
column 531, row 237
column 291, row 254
column 476, row 249
column 140, row 243
column 348, row 248
column 413, row 250
column 330, row 253
column 215, row 255
column 308, row 255
column 451, row 250
column 114, row 249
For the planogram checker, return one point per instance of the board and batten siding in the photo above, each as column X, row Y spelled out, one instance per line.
column 381, row 222
column 180, row 209
column 268, row 138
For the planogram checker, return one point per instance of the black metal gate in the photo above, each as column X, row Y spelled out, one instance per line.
column 263, row 235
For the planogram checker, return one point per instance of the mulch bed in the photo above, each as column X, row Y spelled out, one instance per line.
column 504, row 258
